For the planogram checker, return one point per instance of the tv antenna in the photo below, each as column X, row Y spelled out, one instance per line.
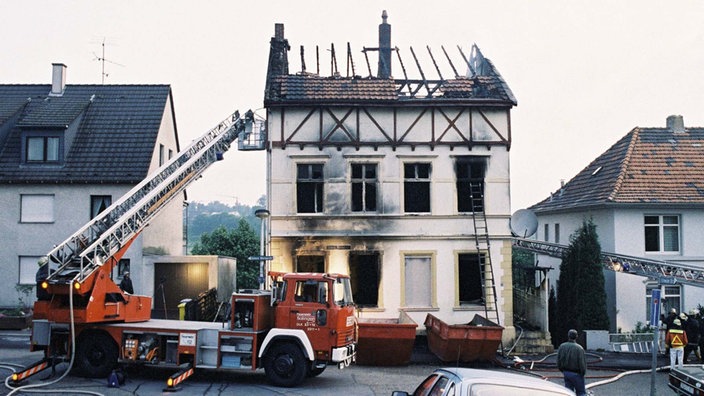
column 102, row 61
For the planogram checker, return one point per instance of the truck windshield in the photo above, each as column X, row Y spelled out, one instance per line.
column 343, row 292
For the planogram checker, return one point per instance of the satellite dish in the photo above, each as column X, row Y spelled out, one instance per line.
column 524, row 223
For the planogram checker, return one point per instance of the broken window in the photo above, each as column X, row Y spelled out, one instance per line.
column 418, row 281
column 469, row 278
column 364, row 187
column 469, row 172
column 365, row 278
column 416, row 187
column 309, row 188
column 310, row 263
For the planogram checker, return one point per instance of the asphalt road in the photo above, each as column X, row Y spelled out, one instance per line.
column 352, row 381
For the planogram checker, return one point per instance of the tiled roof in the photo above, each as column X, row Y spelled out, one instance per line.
column 315, row 89
column 647, row 166
column 115, row 128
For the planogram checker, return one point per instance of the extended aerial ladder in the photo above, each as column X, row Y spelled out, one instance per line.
column 84, row 262
column 662, row 271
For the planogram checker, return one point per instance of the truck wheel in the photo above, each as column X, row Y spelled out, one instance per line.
column 96, row 355
column 285, row 365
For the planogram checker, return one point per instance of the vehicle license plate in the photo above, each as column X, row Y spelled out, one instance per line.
column 687, row 388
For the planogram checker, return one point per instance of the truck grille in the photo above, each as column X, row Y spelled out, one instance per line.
column 345, row 337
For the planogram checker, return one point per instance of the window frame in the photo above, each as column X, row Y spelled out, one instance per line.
column 314, row 183
column 27, row 267
column 45, row 137
column 97, row 200
column 662, row 230
column 472, row 258
column 413, row 185
column 546, row 232
column 670, row 293
column 37, row 218
column 357, row 261
column 367, row 204
column 475, row 173
column 431, row 256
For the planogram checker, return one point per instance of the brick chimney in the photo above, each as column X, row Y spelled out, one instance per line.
column 384, row 48
column 278, row 60
column 58, row 79
column 675, row 123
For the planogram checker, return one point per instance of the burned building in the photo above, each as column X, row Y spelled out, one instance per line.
column 399, row 179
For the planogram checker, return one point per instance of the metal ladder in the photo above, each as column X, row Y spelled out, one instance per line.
column 90, row 247
column 481, row 238
column 665, row 272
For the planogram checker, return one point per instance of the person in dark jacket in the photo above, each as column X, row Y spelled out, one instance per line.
column 572, row 361
column 691, row 327
column 126, row 284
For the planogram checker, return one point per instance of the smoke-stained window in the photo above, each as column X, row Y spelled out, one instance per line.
column 469, row 172
column 365, row 279
column 469, row 279
column 309, row 188
column 364, row 187
column 416, row 187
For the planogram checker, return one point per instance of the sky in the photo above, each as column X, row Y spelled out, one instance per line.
column 584, row 72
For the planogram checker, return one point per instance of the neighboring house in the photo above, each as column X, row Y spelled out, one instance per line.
column 645, row 194
column 66, row 153
column 371, row 177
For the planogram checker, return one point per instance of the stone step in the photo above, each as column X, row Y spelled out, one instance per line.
column 534, row 342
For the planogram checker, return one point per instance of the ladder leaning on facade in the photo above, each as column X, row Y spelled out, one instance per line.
column 662, row 271
column 79, row 256
column 481, row 238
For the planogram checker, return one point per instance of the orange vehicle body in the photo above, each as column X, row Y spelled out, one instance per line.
column 96, row 299
column 309, row 324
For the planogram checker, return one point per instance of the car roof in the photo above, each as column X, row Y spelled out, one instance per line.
column 470, row 376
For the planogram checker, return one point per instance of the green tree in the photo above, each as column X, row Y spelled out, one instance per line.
column 581, row 296
column 240, row 243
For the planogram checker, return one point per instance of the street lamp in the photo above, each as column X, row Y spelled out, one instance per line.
column 262, row 214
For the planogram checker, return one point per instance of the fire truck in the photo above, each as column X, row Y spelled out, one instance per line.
column 293, row 330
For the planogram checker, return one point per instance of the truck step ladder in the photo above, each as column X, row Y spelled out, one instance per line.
column 663, row 271
column 483, row 246
column 79, row 256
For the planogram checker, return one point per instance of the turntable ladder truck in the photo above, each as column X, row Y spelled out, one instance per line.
column 89, row 319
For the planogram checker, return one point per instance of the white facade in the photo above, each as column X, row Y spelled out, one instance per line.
column 440, row 236
column 67, row 207
column 621, row 231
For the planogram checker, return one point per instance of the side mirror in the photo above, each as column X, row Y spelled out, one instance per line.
column 274, row 294
column 321, row 317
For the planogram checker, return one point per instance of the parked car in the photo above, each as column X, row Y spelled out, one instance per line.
column 474, row 382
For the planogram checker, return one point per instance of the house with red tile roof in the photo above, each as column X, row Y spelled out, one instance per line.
column 645, row 194
column 374, row 175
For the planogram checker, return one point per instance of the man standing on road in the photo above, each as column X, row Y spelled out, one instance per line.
column 572, row 361
column 676, row 339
